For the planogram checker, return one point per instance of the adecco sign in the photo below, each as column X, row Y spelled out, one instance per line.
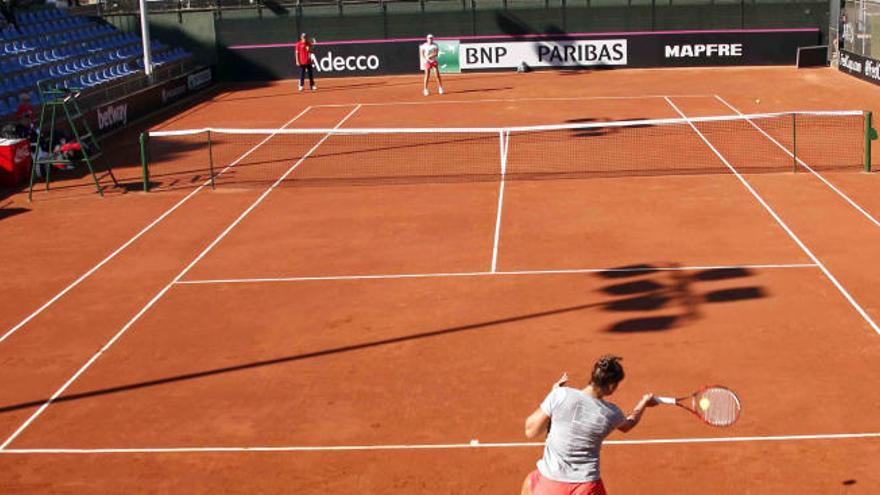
column 353, row 63
column 329, row 59
column 365, row 59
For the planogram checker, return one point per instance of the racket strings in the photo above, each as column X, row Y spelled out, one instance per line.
column 718, row 406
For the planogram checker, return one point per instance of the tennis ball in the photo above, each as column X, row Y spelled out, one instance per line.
column 758, row 100
column 475, row 442
column 704, row 403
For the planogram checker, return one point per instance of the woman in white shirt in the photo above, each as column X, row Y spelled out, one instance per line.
column 428, row 52
column 581, row 419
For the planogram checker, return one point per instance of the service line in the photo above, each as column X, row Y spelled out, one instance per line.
column 562, row 271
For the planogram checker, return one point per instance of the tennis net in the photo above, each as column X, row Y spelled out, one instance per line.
column 773, row 142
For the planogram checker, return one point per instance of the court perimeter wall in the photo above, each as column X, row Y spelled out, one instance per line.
column 255, row 43
column 500, row 52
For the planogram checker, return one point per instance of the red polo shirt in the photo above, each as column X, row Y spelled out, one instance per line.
column 303, row 53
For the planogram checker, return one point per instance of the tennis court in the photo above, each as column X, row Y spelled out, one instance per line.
column 378, row 312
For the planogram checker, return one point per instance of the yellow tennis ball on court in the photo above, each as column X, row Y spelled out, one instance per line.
column 758, row 100
column 704, row 403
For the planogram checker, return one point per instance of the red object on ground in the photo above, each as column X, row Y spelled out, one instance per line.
column 70, row 147
column 15, row 161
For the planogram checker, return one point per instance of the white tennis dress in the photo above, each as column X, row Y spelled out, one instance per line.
column 429, row 52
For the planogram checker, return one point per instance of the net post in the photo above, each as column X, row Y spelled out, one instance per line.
column 870, row 135
column 794, row 142
column 210, row 159
column 145, row 169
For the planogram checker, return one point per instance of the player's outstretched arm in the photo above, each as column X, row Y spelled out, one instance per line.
column 636, row 415
column 537, row 423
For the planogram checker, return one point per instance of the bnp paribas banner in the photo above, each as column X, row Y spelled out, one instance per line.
column 455, row 56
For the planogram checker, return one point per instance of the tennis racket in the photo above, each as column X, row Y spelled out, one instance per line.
column 713, row 404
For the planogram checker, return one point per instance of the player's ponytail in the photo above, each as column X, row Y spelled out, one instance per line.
column 607, row 372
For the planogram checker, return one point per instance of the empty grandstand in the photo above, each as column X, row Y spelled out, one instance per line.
column 73, row 52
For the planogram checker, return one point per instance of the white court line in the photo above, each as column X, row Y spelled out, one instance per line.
column 781, row 223
column 510, row 100
column 502, row 145
column 162, row 292
column 492, row 274
column 137, row 236
column 440, row 446
column 803, row 164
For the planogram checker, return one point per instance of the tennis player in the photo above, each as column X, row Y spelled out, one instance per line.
column 428, row 52
column 581, row 420
column 304, row 61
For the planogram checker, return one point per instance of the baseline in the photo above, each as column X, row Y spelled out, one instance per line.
column 473, row 444
column 509, row 100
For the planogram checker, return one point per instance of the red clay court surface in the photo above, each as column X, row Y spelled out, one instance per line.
column 359, row 339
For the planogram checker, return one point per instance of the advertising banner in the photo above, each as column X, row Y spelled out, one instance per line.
column 119, row 113
column 859, row 30
column 563, row 53
column 662, row 49
column 569, row 51
column 260, row 62
column 862, row 67
column 448, row 60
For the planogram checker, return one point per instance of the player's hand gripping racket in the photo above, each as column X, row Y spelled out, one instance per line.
column 713, row 404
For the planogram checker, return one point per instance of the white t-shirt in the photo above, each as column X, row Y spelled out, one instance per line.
column 579, row 424
column 429, row 51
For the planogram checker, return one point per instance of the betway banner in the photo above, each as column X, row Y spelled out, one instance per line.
column 577, row 50
column 119, row 113
column 860, row 66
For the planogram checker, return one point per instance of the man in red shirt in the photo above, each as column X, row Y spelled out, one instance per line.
column 24, row 114
column 304, row 60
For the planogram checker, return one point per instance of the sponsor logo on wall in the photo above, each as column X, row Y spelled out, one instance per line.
column 704, row 50
column 448, row 59
column 862, row 67
column 199, row 79
column 351, row 63
column 173, row 93
column 568, row 53
column 112, row 116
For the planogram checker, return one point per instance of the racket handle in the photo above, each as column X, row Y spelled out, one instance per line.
column 665, row 400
